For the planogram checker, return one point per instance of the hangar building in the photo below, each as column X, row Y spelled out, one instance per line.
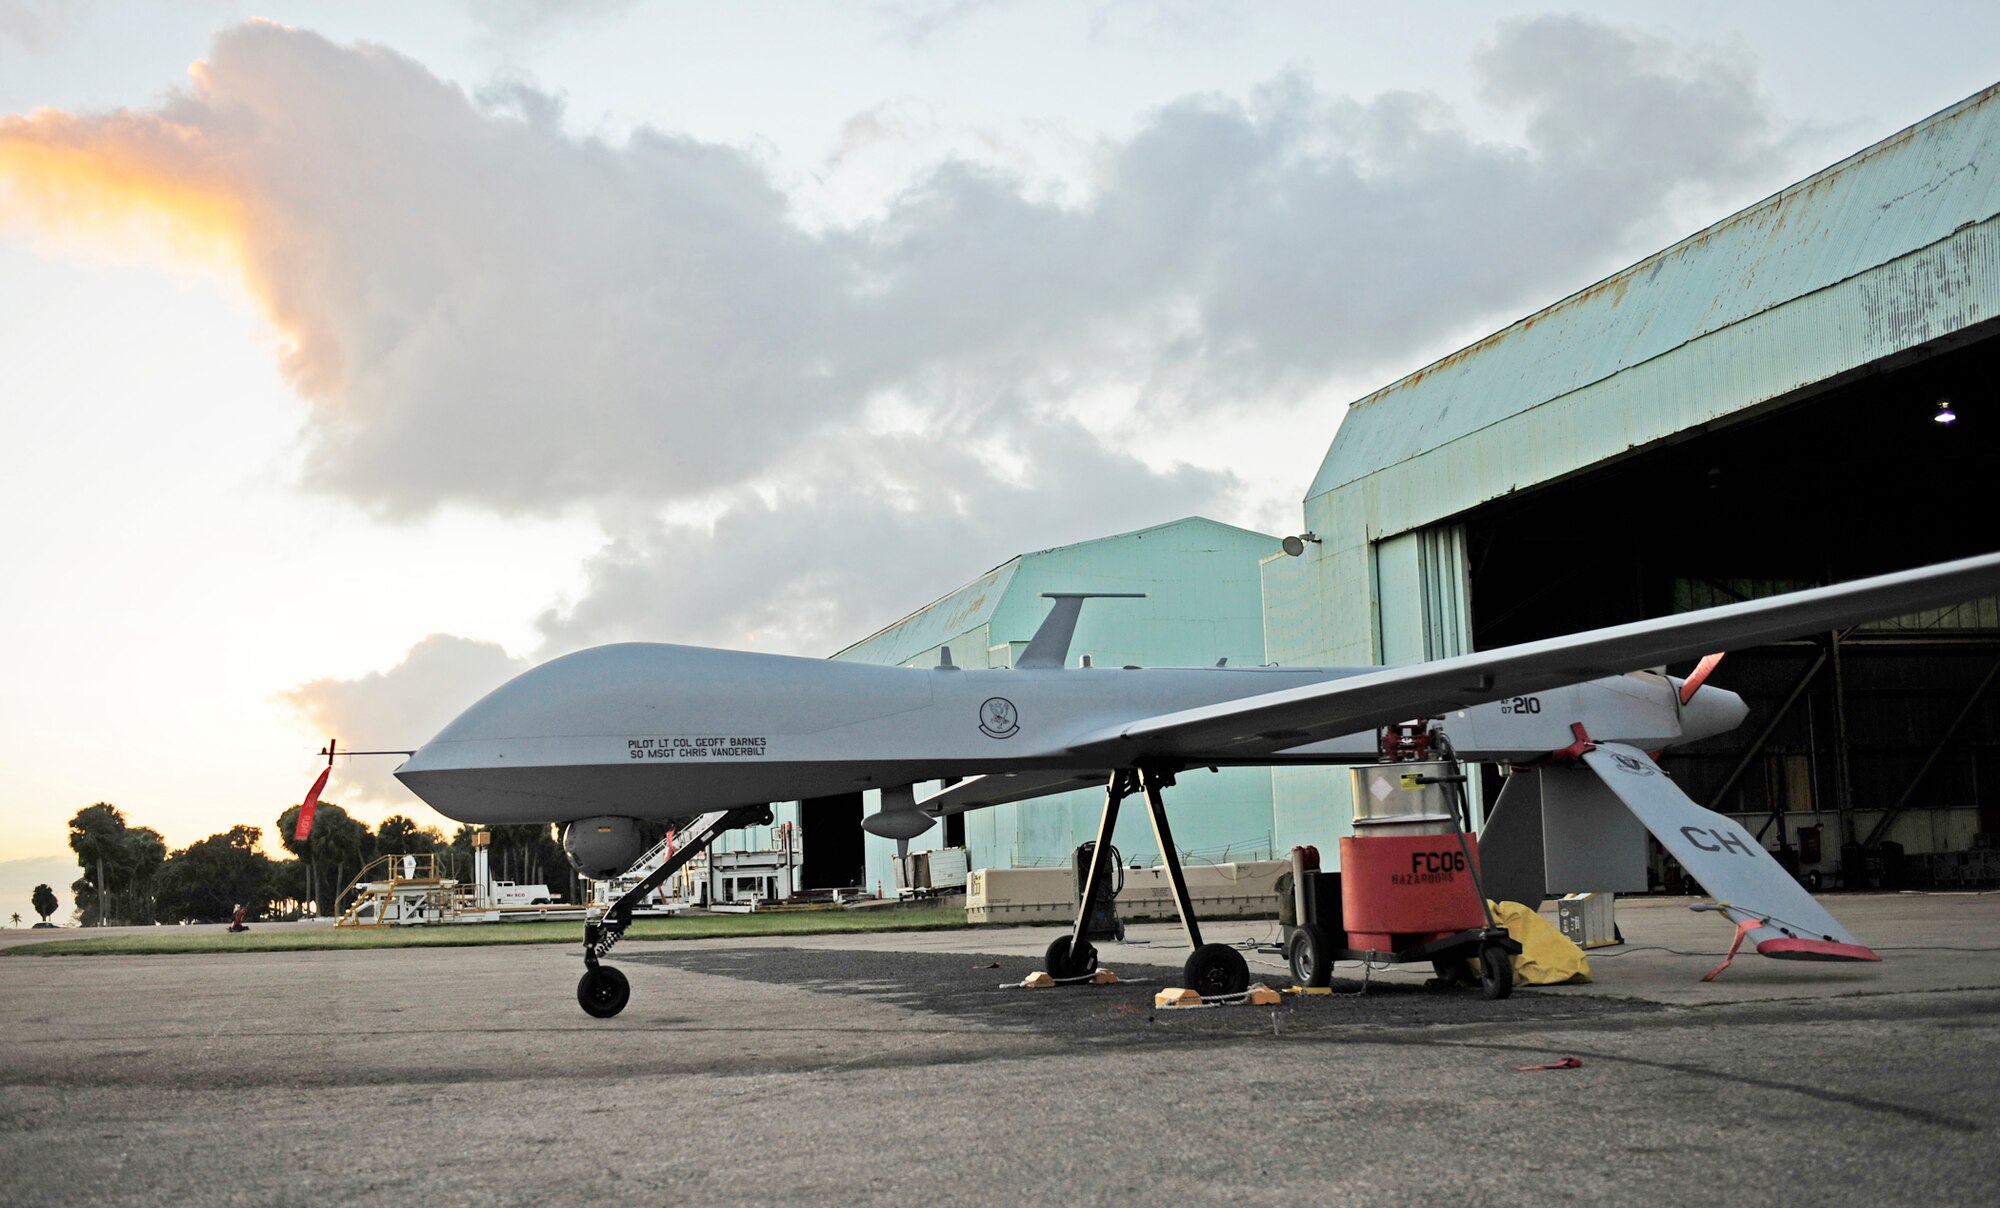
column 1203, row 602
column 1753, row 410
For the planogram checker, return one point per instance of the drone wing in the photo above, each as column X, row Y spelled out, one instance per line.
column 1000, row 788
column 1242, row 730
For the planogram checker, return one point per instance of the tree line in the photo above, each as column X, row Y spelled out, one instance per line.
column 131, row 878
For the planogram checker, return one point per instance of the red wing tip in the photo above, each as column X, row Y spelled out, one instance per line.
column 1814, row 950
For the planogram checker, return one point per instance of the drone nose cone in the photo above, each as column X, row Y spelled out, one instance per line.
column 1712, row 711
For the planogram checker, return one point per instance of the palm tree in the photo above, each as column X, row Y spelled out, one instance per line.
column 17, row 918
column 94, row 836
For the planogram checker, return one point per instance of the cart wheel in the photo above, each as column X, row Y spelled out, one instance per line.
column 1062, row 965
column 603, row 992
column 1311, row 956
column 1496, row 971
column 1453, row 970
column 1216, row 969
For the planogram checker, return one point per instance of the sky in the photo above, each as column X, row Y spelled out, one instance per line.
column 355, row 357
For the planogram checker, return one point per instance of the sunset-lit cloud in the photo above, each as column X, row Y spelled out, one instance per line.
column 133, row 186
column 790, row 431
column 406, row 704
column 486, row 308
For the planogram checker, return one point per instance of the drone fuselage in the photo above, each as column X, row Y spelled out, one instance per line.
column 661, row 731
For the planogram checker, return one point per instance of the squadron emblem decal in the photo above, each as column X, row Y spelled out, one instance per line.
column 998, row 719
column 1628, row 764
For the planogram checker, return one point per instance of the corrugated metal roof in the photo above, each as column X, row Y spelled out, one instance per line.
column 1901, row 195
column 938, row 622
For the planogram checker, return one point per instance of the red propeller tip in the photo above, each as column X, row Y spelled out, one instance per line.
column 1699, row 676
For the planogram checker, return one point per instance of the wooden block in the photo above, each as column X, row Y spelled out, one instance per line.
column 1175, row 996
column 1104, row 977
column 1262, row 995
column 1315, row 989
column 1038, row 981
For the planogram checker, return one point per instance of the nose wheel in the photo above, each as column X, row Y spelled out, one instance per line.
column 603, row 992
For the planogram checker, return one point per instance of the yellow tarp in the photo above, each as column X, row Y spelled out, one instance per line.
column 1548, row 958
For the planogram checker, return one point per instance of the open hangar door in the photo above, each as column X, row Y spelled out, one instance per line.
column 1887, row 735
column 833, row 855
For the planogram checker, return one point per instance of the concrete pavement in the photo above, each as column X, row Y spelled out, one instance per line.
column 893, row 1067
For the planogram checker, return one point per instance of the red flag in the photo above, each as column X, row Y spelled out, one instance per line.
column 311, row 801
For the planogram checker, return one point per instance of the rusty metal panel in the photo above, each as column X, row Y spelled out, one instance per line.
column 1886, row 251
column 1940, row 289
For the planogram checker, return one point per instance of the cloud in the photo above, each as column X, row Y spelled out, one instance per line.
column 794, row 432
column 33, row 26
column 923, row 22
column 484, row 308
column 1296, row 235
column 478, row 306
column 401, row 707
column 514, row 23
column 892, row 521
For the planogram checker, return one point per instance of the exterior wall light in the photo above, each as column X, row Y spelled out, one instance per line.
column 1945, row 414
column 1296, row 546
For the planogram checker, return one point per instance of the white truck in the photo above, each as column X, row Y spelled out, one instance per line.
column 507, row 893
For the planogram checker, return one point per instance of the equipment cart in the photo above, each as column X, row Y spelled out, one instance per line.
column 1408, row 888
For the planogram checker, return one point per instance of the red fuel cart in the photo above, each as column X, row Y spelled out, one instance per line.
column 1408, row 888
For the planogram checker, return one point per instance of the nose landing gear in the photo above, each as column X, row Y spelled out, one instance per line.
column 603, row 991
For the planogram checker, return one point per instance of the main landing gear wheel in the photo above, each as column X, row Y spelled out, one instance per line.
column 1063, row 965
column 1216, row 969
column 1496, row 971
column 1311, row 956
column 603, row 992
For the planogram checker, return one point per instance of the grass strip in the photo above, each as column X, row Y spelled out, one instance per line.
column 291, row 937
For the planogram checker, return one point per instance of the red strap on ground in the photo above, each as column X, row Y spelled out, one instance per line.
column 1561, row 1063
column 1743, row 928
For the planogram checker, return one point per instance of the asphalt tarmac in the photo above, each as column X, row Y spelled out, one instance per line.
column 896, row 1067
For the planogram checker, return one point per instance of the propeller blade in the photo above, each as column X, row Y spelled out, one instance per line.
column 305, row 827
column 1699, row 675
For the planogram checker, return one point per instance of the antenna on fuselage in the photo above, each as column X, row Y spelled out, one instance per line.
column 1050, row 645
